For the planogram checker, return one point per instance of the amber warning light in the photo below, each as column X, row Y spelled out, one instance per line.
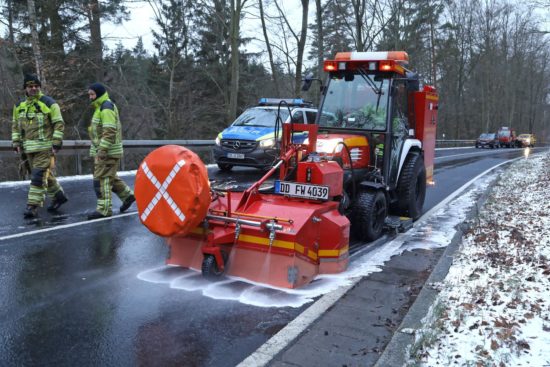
column 330, row 65
column 383, row 65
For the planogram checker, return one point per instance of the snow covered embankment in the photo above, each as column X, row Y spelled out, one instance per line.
column 494, row 305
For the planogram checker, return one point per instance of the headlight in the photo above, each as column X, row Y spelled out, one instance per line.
column 218, row 141
column 267, row 143
column 329, row 146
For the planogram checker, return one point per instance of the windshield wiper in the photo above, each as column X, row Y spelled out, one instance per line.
column 370, row 81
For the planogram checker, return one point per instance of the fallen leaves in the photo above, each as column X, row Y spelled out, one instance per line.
column 497, row 291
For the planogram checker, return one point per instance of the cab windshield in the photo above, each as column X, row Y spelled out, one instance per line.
column 263, row 117
column 357, row 101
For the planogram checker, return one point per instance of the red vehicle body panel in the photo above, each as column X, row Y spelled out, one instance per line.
column 424, row 122
column 507, row 136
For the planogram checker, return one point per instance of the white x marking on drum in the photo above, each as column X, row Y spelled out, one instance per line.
column 162, row 193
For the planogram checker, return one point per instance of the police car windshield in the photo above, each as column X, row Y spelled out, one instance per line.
column 352, row 102
column 258, row 116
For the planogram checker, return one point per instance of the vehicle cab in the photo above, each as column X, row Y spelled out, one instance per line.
column 369, row 109
column 251, row 139
column 379, row 123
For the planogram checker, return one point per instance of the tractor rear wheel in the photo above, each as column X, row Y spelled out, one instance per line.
column 411, row 188
column 210, row 268
column 369, row 213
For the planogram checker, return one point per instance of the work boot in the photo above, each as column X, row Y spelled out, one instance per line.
column 31, row 212
column 96, row 215
column 59, row 199
column 127, row 203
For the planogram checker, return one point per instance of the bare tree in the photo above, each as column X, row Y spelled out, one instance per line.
column 300, row 39
column 39, row 63
column 370, row 17
column 94, row 20
column 319, row 11
column 274, row 71
column 235, row 37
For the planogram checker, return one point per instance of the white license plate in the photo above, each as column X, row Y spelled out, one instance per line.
column 235, row 155
column 301, row 190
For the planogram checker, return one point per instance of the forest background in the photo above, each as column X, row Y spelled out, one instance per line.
column 489, row 59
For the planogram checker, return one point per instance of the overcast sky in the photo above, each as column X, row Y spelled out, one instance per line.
column 142, row 21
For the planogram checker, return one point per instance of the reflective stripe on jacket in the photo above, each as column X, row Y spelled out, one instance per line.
column 105, row 129
column 37, row 124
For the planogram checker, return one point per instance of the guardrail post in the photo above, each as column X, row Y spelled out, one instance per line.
column 78, row 164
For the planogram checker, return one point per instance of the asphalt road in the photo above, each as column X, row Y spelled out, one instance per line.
column 71, row 295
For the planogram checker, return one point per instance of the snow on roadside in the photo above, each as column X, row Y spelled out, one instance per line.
column 494, row 304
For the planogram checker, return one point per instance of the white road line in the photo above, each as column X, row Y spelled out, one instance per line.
column 455, row 155
column 264, row 354
column 70, row 225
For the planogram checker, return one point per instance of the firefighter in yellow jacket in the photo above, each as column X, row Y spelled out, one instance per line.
column 37, row 131
column 106, row 147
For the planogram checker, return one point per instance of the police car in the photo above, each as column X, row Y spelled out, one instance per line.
column 250, row 140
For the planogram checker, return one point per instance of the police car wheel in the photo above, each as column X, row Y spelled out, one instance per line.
column 225, row 167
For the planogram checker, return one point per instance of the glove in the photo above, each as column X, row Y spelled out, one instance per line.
column 56, row 148
column 101, row 154
column 17, row 149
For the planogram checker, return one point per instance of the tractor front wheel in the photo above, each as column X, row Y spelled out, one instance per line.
column 369, row 213
column 411, row 188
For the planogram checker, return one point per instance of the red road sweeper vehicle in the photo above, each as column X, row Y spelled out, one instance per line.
column 363, row 167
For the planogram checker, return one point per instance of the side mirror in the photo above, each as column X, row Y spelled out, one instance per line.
column 413, row 83
column 307, row 81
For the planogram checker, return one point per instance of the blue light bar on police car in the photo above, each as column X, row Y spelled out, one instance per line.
column 289, row 102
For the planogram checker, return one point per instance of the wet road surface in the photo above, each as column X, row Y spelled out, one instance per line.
column 72, row 297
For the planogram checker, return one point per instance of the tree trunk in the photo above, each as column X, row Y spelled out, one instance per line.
column 320, row 39
column 358, row 6
column 35, row 42
column 11, row 36
column 236, row 8
column 432, row 54
column 94, row 18
column 56, row 29
column 274, row 70
column 301, row 48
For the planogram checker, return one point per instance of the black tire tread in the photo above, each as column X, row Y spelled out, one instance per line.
column 363, row 209
column 408, row 203
column 209, row 267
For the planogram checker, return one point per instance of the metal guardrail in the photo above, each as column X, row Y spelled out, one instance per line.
column 74, row 157
column 444, row 143
column 77, row 161
column 84, row 144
